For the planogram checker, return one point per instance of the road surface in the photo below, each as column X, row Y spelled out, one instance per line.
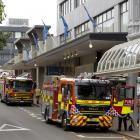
column 26, row 123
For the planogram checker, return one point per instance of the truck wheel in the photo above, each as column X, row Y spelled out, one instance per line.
column 64, row 123
column 46, row 116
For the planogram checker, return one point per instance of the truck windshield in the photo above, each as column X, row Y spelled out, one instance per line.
column 22, row 85
column 93, row 92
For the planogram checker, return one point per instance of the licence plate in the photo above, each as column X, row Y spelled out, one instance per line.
column 94, row 119
column 21, row 101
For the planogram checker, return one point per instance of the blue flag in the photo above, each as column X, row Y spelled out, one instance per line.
column 65, row 27
column 36, row 41
column 90, row 18
column 45, row 32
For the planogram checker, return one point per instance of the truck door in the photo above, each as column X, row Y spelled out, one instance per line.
column 55, row 104
column 64, row 89
column 69, row 96
column 125, row 99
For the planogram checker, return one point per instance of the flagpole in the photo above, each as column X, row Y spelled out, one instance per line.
column 50, row 35
column 91, row 19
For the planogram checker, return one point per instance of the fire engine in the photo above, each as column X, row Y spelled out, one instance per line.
column 76, row 102
column 16, row 90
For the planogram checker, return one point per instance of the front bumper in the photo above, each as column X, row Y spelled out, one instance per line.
column 81, row 121
column 21, row 101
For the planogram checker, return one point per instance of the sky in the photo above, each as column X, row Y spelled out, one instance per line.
column 34, row 10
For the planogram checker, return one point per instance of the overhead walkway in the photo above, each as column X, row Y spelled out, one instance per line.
column 122, row 58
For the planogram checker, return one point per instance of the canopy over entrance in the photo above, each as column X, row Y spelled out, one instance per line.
column 121, row 58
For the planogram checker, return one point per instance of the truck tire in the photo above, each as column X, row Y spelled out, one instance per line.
column 46, row 116
column 65, row 126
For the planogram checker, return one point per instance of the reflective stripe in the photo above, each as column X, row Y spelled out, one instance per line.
column 76, row 120
column 126, row 110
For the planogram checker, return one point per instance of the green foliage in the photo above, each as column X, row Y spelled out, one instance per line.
column 2, row 13
column 3, row 36
column 3, row 39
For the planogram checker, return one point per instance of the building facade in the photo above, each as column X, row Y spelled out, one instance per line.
column 110, row 16
column 16, row 28
column 72, row 55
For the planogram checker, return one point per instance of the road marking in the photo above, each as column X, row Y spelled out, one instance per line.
column 38, row 114
column 11, row 128
column 81, row 136
column 39, row 118
column 34, row 116
column 28, row 111
column 43, row 120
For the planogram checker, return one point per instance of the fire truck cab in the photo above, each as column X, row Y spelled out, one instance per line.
column 16, row 90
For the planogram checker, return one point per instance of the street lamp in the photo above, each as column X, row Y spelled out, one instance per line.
column 90, row 45
column 35, row 65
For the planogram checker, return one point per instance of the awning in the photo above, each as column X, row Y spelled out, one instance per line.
column 121, row 58
column 101, row 42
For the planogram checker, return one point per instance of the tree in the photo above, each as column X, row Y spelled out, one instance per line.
column 3, row 35
column 3, row 39
column 2, row 12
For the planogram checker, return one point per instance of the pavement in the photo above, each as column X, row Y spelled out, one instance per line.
column 135, row 134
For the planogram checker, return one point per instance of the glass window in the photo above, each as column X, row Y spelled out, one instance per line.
column 100, row 27
column 69, row 91
column 105, row 21
column 64, row 91
column 97, row 20
column 124, row 22
column 81, row 29
column 124, row 17
column 69, row 5
column 76, row 3
column 92, row 91
column 100, row 19
column 65, row 7
column 17, row 34
column 112, row 12
column 109, row 15
column 82, row 1
column 108, row 26
column 63, row 39
column 104, row 17
column 123, row 7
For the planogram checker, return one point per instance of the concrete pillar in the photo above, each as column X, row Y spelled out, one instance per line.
column 117, row 18
column 45, row 70
column 132, row 81
column 37, row 76
column 41, row 76
column 33, row 73
column 134, row 19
